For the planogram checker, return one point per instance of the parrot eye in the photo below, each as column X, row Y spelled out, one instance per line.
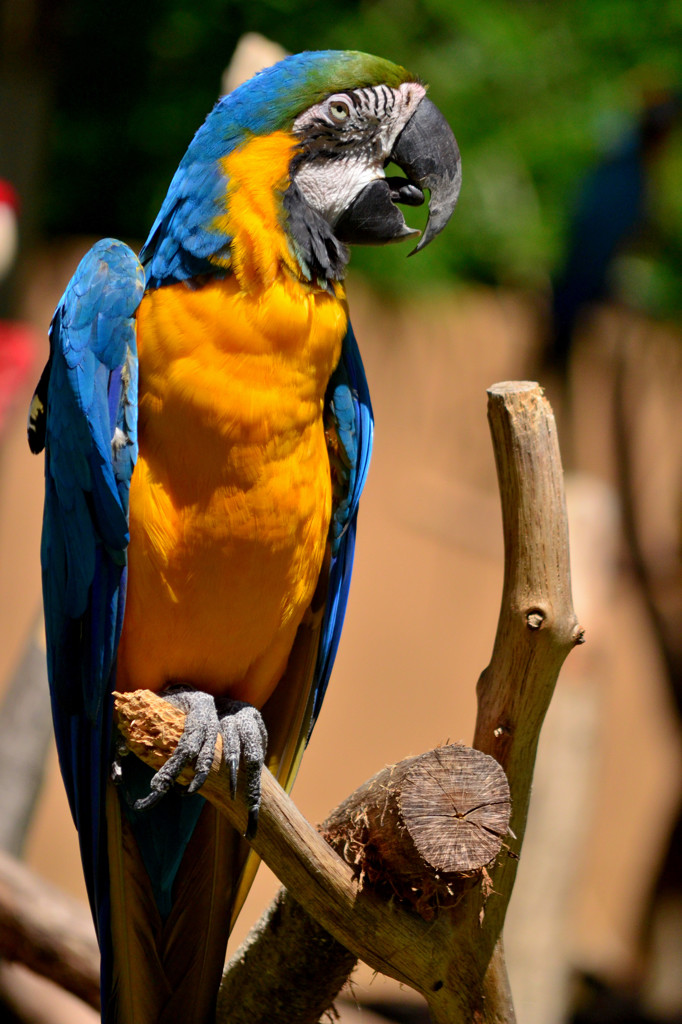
column 339, row 110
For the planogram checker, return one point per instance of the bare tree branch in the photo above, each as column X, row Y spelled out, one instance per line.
column 25, row 732
column 456, row 961
column 47, row 931
column 387, row 935
column 450, row 950
column 537, row 627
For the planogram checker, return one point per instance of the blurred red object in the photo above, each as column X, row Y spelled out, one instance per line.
column 9, row 235
column 9, row 195
column 18, row 343
column 18, row 351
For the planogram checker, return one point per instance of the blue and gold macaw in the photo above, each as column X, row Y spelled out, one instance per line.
column 208, row 429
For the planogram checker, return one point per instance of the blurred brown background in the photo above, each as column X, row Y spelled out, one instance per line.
column 595, row 927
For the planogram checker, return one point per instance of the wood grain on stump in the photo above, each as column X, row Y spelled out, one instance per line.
column 427, row 827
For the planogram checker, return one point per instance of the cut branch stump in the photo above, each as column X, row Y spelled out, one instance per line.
column 424, row 829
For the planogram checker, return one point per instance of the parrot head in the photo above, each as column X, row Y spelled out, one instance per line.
column 346, row 116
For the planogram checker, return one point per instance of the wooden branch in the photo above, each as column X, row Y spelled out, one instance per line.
column 300, row 969
column 25, row 731
column 392, row 846
column 47, row 931
column 386, row 934
column 457, row 960
column 28, row 998
column 537, row 627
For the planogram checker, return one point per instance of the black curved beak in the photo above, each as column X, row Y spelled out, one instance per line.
column 427, row 151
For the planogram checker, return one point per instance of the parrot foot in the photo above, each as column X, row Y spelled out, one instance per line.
column 244, row 740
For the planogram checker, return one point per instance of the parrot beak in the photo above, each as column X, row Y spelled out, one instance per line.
column 427, row 151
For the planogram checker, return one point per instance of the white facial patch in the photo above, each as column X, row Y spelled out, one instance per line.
column 331, row 186
column 345, row 152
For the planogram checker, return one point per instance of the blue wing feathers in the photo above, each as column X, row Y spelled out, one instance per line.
column 351, row 409
column 91, row 392
column 181, row 241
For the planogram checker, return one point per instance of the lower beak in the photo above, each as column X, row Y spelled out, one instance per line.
column 427, row 151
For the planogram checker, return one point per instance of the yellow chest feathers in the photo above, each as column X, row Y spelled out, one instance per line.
column 231, row 380
column 231, row 498
column 241, row 363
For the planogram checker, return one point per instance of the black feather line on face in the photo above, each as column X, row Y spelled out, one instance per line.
column 323, row 138
column 320, row 255
column 322, row 141
column 325, row 141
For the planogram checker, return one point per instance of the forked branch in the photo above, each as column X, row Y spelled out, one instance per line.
column 455, row 960
column 421, row 904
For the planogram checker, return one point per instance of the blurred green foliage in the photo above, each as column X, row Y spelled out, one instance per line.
column 535, row 91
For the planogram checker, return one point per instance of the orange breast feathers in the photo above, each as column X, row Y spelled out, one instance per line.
column 230, row 500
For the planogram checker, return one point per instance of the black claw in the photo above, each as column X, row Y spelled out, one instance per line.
column 145, row 802
column 252, row 823
column 233, row 765
column 197, row 782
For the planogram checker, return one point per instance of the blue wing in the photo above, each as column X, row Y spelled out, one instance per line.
column 88, row 409
column 349, row 412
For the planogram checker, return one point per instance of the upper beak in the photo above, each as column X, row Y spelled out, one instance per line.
column 427, row 151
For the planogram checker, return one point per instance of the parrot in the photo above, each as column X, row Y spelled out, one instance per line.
column 207, row 430
column 611, row 210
